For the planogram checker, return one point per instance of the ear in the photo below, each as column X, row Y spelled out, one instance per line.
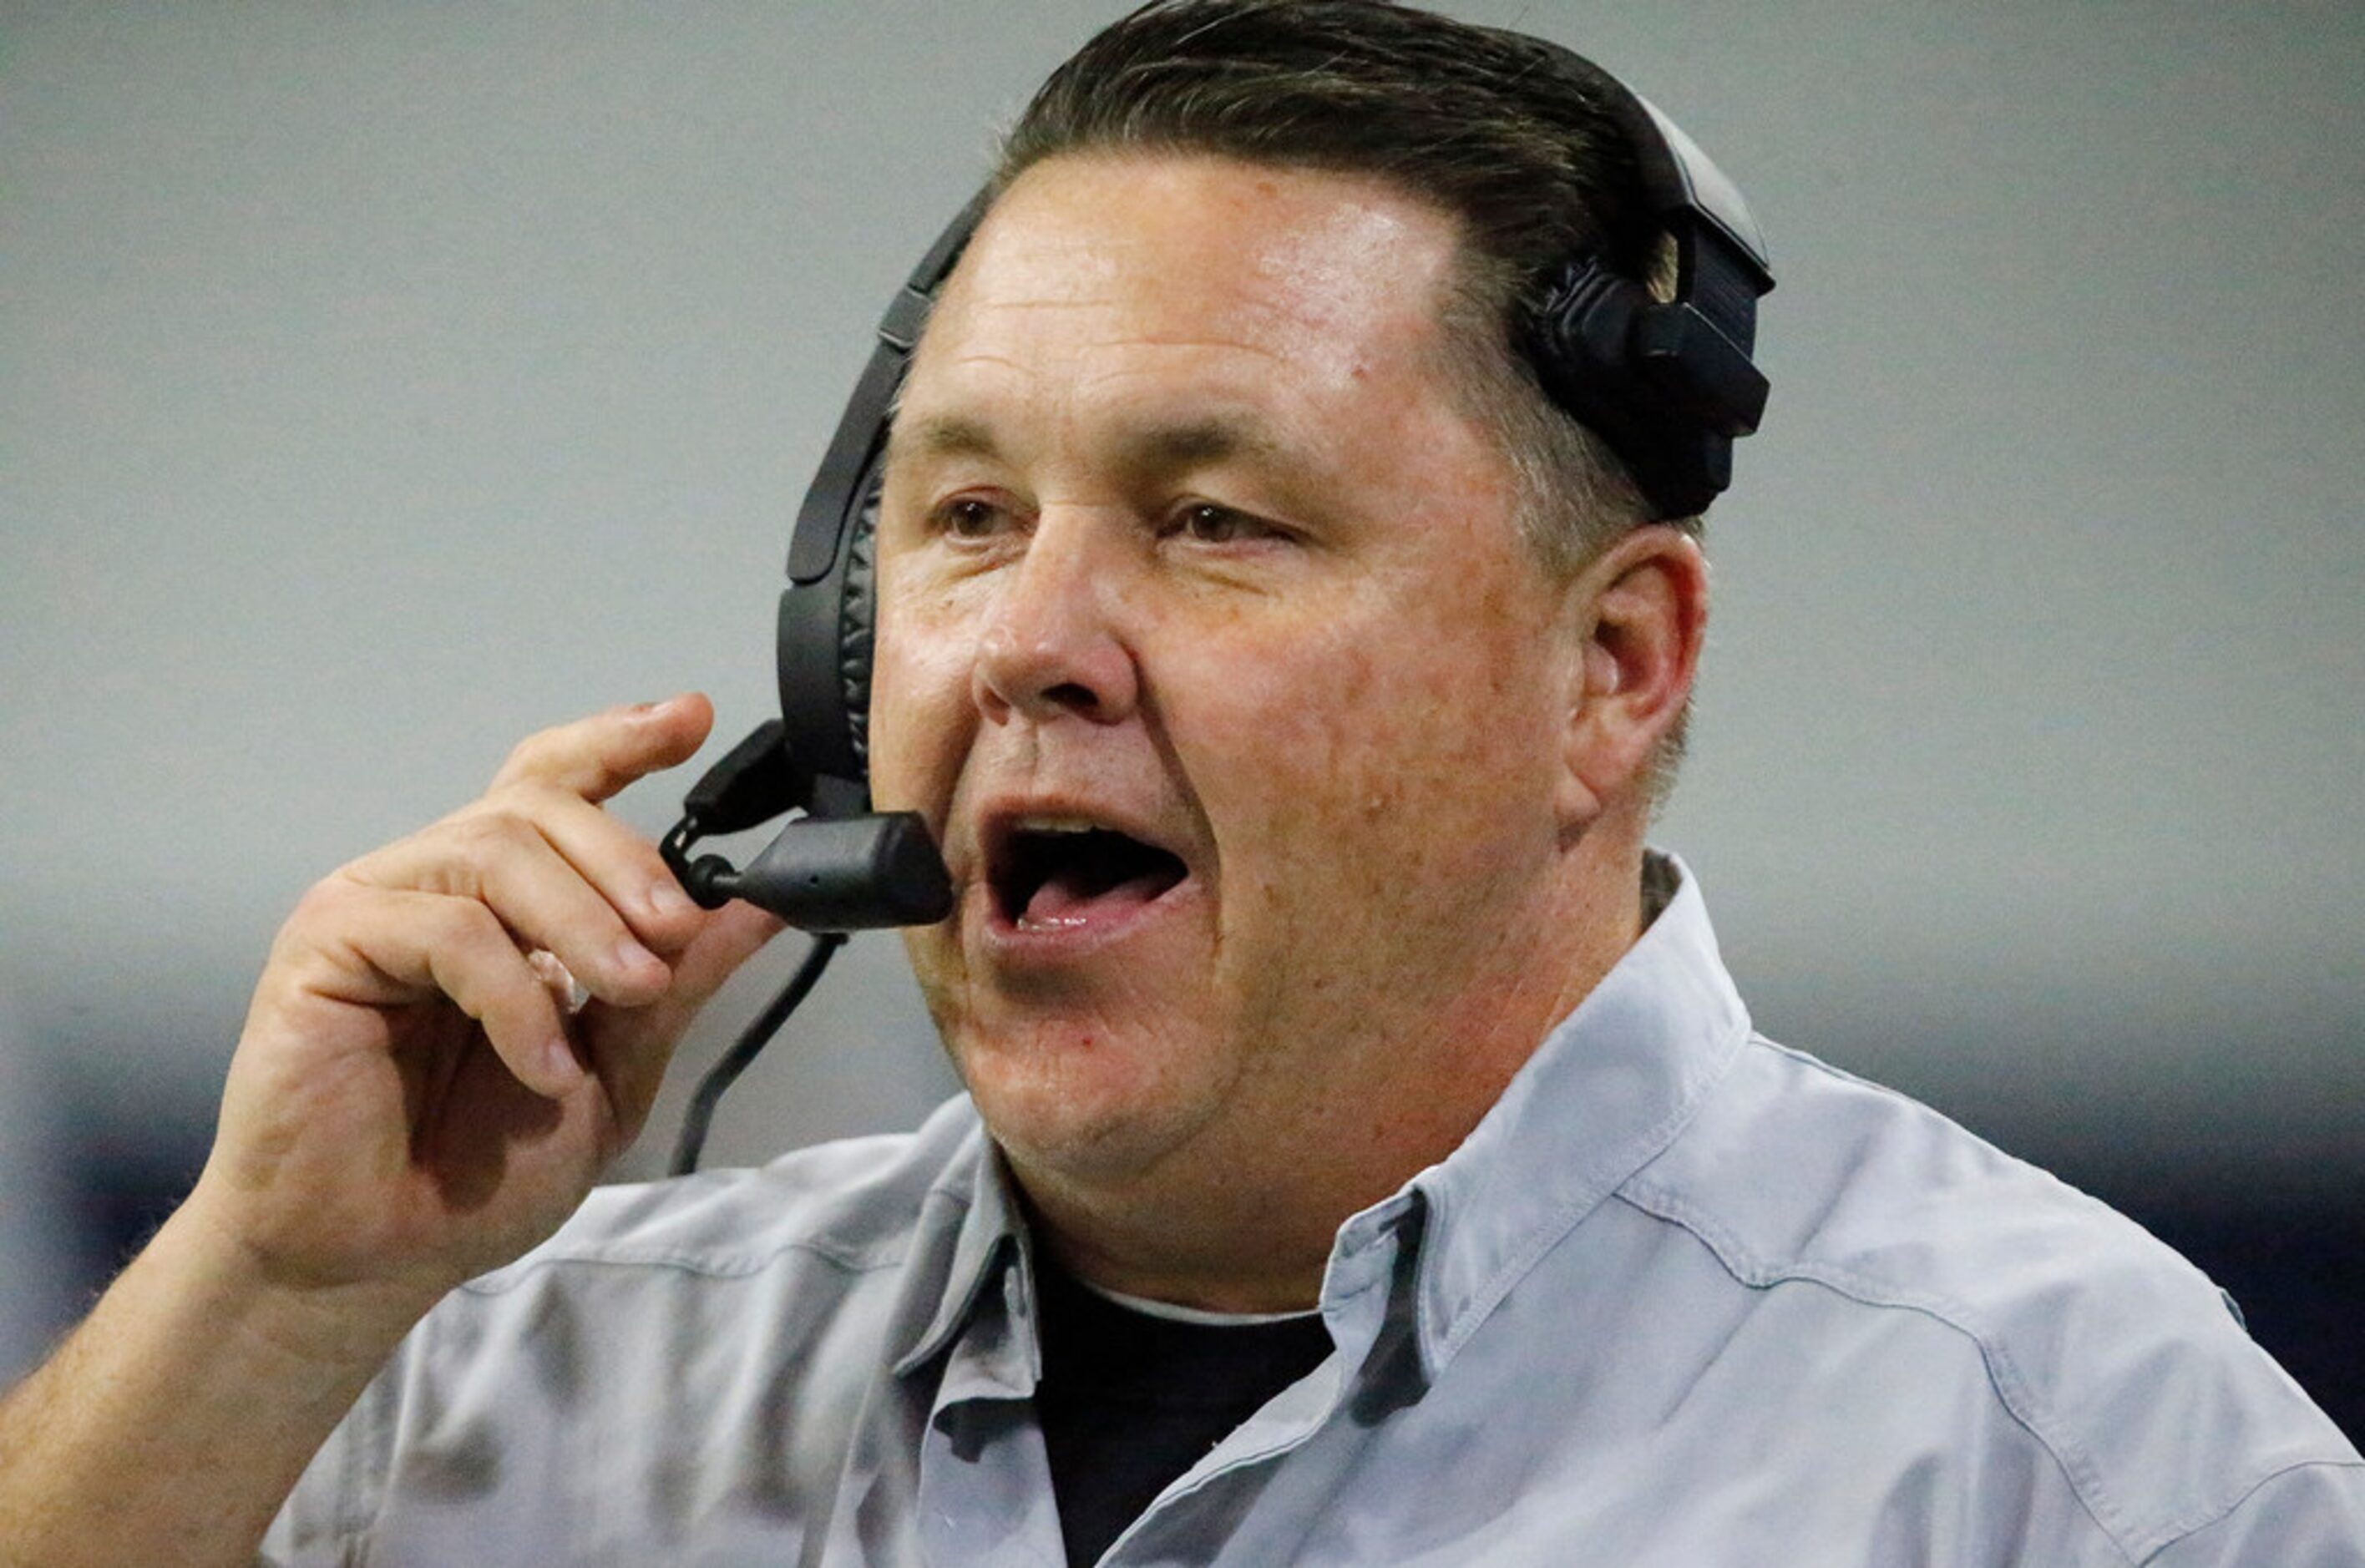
column 1641, row 611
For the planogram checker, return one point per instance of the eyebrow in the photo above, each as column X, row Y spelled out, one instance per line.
column 940, row 435
column 1165, row 445
column 1211, row 438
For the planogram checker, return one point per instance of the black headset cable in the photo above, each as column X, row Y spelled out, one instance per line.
column 719, row 1078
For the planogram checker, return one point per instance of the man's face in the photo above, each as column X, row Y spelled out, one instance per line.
column 1208, row 645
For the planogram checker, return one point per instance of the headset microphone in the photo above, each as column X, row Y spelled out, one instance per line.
column 829, row 872
column 826, row 871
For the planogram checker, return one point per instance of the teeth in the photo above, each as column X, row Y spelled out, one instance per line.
column 1056, row 825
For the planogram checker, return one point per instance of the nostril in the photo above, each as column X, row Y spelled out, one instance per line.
column 1005, row 683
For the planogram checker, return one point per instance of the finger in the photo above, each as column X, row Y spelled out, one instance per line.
column 499, row 858
column 625, row 867
column 595, row 757
column 571, row 994
column 417, row 944
column 733, row 934
column 631, row 1051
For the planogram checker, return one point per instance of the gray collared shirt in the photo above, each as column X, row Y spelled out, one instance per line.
column 1683, row 1298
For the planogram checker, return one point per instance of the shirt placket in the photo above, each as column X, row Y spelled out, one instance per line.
column 1190, row 1521
column 986, row 1481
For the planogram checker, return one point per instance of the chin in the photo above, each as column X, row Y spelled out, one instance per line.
column 1079, row 1101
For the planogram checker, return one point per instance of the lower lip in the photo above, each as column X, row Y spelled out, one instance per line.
column 1075, row 938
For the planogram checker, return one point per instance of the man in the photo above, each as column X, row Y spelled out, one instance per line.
column 1365, row 1158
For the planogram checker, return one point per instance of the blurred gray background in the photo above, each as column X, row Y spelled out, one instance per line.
column 381, row 381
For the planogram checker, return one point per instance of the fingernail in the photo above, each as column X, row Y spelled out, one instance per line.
column 558, row 1058
column 630, row 954
column 666, row 898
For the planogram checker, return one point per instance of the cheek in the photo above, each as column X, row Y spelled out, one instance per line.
column 1362, row 760
column 919, row 713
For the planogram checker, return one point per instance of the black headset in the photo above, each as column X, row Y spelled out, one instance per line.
column 1667, row 384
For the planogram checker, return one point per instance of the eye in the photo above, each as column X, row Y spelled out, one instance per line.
column 971, row 517
column 1205, row 522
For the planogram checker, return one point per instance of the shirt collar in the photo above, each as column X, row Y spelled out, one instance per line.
column 960, row 1258
column 1609, row 1088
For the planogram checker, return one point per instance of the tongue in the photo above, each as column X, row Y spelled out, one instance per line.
column 1071, row 899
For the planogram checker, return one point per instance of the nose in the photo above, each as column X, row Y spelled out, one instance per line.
column 1049, row 647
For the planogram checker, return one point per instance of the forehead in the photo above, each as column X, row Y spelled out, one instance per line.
column 1097, row 273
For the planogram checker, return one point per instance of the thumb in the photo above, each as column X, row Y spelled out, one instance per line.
column 733, row 934
column 631, row 1048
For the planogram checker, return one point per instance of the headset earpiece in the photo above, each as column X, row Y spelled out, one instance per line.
column 839, row 866
column 1668, row 384
column 824, row 632
column 823, row 640
column 1666, row 389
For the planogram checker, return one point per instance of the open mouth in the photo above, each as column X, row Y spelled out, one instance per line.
column 1051, row 876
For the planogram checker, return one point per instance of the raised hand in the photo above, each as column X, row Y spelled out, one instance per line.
column 410, row 1103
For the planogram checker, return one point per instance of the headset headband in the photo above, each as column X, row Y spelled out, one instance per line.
column 1667, row 384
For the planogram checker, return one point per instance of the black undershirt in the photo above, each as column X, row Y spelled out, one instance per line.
column 1129, row 1401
